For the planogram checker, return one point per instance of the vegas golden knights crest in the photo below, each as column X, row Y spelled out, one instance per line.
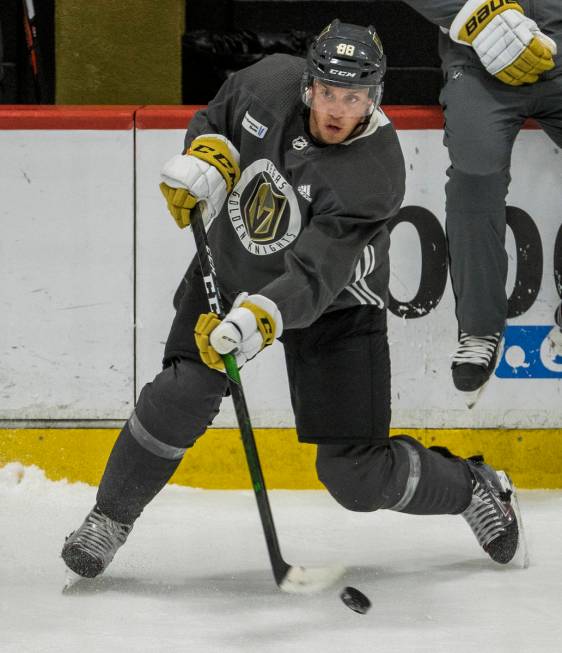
column 264, row 211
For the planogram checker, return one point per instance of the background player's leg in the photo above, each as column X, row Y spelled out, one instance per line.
column 482, row 119
column 549, row 116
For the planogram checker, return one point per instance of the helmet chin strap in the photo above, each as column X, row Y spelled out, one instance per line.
column 362, row 126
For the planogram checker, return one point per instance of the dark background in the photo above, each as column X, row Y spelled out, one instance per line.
column 236, row 28
column 17, row 83
column 224, row 35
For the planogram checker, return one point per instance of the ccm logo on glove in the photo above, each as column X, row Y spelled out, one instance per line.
column 253, row 323
column 207, row 174
column 219, row 157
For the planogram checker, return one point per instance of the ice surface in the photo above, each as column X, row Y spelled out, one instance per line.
column 194, row 576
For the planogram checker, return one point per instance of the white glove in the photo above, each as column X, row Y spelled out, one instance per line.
column 208, row 172
column 253, row 323
column 509, row 44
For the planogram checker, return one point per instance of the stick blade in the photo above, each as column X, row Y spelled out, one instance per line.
column 309, row 580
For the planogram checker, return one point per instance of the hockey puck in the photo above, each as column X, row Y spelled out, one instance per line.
column 355, row 600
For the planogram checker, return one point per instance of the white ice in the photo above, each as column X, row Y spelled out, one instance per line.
column 194, row 576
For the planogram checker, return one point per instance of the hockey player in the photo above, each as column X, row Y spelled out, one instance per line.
column 502, row 64
column 298, row 171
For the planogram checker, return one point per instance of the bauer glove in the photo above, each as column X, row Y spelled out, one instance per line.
column 510, row 46
column 207, row 173
column 253, row 323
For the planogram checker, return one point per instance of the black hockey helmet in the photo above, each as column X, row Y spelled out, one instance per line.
column 346, row 55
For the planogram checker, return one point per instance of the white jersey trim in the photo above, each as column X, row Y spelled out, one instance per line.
column 377, row 119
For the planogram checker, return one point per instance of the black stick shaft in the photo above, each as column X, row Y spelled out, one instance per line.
column 279, row 566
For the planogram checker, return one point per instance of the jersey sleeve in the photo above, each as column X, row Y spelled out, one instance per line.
column 346, row 218
column 223, row 115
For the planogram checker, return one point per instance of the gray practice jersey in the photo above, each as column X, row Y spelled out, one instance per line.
column 305, row 225
column 546, row 13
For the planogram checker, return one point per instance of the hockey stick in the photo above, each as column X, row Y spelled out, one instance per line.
column 30, row 29
column 289, row 579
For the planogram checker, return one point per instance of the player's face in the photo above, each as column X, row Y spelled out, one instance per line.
column 335, row 111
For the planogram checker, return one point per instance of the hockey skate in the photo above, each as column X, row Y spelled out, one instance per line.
column 555, row 335
column 494, row 516
column 88, row 550
column 473, row 364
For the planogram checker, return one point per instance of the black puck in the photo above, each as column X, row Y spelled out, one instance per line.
column 355, row 600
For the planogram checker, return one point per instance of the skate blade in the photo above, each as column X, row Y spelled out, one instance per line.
column 470, row 398
column 521, row 558
column 70, row 580
column 308, row 580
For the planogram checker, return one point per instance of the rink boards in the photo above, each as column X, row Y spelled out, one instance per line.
column 90, row 260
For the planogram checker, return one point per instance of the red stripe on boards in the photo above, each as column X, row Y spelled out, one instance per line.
column 61, row 116
column 106, row 117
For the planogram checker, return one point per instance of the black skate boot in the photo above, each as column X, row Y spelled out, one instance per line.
column 473, row 363
column 88, row 550
column 493, row 514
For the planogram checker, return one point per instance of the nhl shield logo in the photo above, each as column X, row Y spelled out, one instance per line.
column 299, row 143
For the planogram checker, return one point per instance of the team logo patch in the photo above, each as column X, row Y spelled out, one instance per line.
column 253, row 126
column 264, row 210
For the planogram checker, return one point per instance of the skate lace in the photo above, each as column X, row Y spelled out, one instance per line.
column 485, row 515
column 476, row 350
column 100, row 535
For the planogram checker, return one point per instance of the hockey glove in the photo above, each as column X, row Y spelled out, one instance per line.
column 253, row 323
column 510, row 46
column 208, row 172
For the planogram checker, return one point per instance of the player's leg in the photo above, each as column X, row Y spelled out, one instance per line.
column 549, row 116
column 405, row 476
column 339, row 375
column 482, row 119
column 172, row 412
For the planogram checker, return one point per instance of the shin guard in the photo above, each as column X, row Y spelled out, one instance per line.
column 437, row 482
column 133, row 477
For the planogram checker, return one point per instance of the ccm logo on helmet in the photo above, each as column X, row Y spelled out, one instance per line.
column 342, row 73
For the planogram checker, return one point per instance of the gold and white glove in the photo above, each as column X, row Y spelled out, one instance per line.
column 253, row 323
column 509, row 44
column 207, row 173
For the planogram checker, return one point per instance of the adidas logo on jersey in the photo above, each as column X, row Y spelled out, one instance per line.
column 304, row 190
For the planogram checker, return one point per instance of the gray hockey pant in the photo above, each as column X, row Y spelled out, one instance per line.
column 402, row 475
column 171, row 413
column 482, row 119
